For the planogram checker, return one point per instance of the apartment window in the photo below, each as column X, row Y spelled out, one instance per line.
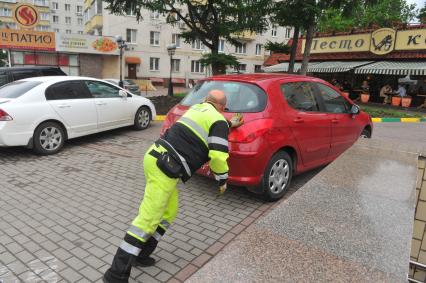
column 55, row 6
column 12, row 25
column 176, row 65
column 80, row 21
column 42, row 28
column 258, row 49
column 79, row 9
column 131, row 11
column 155, row 15
column 196, row 67
column 198, row 45
column 131, row 35
column 241, row 48
column 68, row 20
column 274, row 31
column 257, row 68
column 56, row 19
column 5, row 12
column 176, row 39
column 221, row 47
column 68, row 31
column 241, row 68
column 56, row 30
column 155, row 38
column 40, row 2
column 67, row 7
column 44, row 16
column 154, row 64
column 80, row 32
column 287, row 32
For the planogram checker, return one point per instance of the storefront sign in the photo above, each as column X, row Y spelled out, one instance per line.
column 86, row 44
column 346, row 43
column 27, row 40
column 26, row 15
column 411, row 40
column 380, row 42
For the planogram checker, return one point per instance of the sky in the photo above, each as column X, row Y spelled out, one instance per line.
column 419, row 3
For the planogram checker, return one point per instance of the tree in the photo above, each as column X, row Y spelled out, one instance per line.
column 205, row 20
column 277, row 47
column 220, row 61
column 422, row 14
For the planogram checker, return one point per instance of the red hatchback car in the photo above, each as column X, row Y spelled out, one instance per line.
column 291, row 124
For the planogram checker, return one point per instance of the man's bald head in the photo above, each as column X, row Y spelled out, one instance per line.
column 216, row 96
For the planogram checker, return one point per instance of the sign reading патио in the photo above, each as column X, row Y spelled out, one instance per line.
column 27, row 40
column 380, row 42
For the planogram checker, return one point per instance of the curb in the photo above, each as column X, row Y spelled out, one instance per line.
column 398, row 120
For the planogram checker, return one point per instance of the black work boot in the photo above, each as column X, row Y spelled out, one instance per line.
column 119, row 272
column 144, row 259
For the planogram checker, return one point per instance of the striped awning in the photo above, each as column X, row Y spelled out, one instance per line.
column 336, row 66
column 283, row 67
column 394, row 68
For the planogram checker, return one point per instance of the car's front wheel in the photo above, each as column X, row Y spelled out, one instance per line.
column 142, row 118
column 277, row 177
column 48, row 138
column 366, row 134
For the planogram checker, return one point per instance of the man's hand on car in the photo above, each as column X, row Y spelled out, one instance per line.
column 236, row 120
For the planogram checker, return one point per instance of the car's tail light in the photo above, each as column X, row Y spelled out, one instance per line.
column 4, row 116
column 250, row 131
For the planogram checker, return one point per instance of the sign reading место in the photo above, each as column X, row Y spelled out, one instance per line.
column 27, row 40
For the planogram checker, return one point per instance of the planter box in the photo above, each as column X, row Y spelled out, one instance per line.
column 406, row 101
column 396, row 100
column 365, row 98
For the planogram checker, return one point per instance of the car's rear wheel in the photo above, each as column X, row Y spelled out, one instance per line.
column 277, row 177
column 142, row 118
column 366, row 134
column 48, row 138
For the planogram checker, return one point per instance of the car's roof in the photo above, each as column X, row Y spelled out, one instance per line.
column 258, row 77
column 59, row 78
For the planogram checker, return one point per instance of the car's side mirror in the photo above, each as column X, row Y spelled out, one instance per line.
column 122, row 93
column 355, row 109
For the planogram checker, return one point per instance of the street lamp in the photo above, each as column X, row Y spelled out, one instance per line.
column 121, row 45
column 171, row 49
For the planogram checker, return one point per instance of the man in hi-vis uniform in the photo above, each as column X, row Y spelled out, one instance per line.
column 200, row 135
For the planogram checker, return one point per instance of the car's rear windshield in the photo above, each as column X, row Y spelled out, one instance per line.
column 17, row 88
column 241, row 97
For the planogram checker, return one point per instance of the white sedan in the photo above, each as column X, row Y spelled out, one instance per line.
column 42, row 112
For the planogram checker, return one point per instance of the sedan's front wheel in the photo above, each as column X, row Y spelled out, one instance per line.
column 277, row 177
column 48, row 138
column 142, row 118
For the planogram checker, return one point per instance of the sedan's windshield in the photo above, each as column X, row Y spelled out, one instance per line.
column 17, row 88
column 241, row 97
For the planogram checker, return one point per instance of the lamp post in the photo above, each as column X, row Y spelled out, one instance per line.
column 171, row 49
column 121, row 45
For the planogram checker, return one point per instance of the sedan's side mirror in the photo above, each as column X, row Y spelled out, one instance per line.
column 355, row 109
column 122, row 93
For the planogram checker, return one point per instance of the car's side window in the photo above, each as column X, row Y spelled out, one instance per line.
column 102, row 90
column 67, row 90
column 50, row 72
column 3, row 78
column 333, row 101
column 300, row 96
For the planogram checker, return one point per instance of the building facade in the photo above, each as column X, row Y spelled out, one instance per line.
column 146, row 55
column 56, row 16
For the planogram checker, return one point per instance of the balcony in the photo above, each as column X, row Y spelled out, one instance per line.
column 87, row 4
column 94, row 23
column 245, row 35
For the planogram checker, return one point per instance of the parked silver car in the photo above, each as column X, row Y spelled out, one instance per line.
column 127, row 84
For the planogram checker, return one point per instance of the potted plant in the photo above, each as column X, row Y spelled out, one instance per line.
column 365, row 97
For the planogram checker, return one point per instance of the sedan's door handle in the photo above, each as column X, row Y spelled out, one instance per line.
column 64, row 106
column 298, row 120
column 335, row 121
column 100, row 103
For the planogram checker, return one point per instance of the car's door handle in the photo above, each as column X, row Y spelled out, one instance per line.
column 298, row 120
column 100, row 103
column 64, row 106
column 335, row 121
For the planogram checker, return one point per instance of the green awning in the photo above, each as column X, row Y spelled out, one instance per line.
column 283, row 67
column 393, row 68
column 336, row 66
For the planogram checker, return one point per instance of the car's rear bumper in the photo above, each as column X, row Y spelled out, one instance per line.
column 12, row 135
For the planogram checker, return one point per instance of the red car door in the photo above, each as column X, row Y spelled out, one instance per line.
column 310, row 128
column 345, row 128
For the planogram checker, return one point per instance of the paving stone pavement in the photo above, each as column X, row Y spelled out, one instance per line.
column 63, row 216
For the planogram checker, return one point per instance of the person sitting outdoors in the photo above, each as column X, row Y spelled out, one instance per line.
column 365, row 87
column 401, row 91
column 386, row 93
